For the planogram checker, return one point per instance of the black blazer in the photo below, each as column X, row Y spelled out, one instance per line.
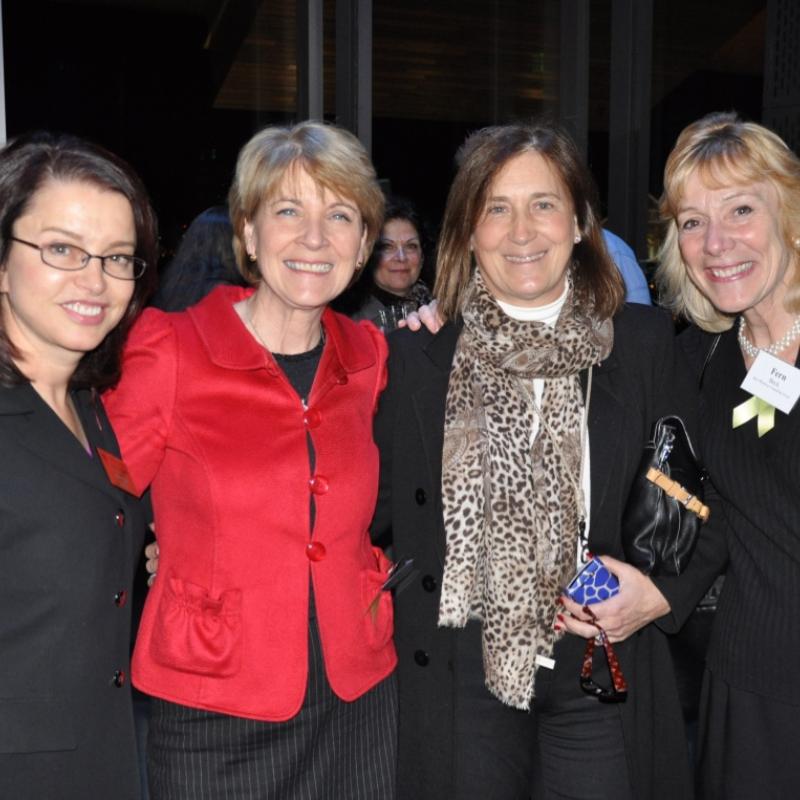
column 639, row 381
column 69, row 541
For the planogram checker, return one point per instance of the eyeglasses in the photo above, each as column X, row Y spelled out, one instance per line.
column 619, row 690
column 69, row 258
column 387, row 248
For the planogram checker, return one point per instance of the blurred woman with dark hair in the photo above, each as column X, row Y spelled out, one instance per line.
column 77, row 256
column 204, row 258
column 392, row 284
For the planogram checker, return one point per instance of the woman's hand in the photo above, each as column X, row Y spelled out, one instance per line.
column 637, row 604
column 427, row 315
column 151, row 554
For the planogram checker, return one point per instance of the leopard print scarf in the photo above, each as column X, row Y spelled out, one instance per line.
column 510, row 509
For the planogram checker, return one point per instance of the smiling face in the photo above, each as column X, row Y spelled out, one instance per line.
column 731, row 241
column 306, row 240
column 523, row 241
column 400, row 257
column 52, row 316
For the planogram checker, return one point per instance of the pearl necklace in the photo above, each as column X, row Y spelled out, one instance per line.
column 776, row 347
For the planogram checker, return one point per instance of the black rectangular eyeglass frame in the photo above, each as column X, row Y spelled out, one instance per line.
column 139, row 264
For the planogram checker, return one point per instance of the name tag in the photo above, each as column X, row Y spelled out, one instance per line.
column 773, row 381
column 116, row 471
column 544, row 661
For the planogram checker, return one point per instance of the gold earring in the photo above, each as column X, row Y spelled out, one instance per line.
column 251, row 256
column 797, row 242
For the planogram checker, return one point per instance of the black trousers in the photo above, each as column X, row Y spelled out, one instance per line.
column 330, row 751
column 580, row 749
column 569, row 746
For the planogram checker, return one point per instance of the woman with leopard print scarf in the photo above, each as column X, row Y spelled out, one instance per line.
column 509, row 443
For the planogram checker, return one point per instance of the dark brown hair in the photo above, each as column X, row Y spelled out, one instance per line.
column 596, row 279
column 26, row 165
column 401, row 208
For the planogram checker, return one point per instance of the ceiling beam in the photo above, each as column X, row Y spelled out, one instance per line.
column 226, row 33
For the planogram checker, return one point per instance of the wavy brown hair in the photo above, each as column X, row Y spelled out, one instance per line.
column 596, row 279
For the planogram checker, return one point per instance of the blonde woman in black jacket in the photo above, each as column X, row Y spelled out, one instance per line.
column 730, row 265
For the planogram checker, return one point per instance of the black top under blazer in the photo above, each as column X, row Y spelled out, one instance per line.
column 641, row 380
column 69, row 541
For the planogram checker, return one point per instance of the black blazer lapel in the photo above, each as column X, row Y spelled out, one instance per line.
column 606, row 433
column 26, row 418
column 429, row 405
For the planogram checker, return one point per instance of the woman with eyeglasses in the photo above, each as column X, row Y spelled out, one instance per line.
column 392, row 284
column 509, row 442
column 77, row 248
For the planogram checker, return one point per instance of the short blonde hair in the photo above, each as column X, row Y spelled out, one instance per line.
column 332, row 156
column 722, row 149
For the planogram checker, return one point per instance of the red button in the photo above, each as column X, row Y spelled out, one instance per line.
column 120, row 598
column 312, row 418
column 119, row 518
column 341, row 379
column 318, row 484
column 315, row 551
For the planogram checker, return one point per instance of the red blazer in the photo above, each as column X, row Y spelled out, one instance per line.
column 207, row 419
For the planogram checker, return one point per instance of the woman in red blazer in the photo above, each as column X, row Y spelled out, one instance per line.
column 267, row 640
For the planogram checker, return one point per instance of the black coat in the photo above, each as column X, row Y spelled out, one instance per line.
column 69, row 541
column 640, row 381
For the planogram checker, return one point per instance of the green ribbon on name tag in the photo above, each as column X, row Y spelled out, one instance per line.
column 755, row 407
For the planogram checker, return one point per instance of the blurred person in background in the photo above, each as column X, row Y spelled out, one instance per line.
column 636, row 288
column 393, row 282
column 204, row 258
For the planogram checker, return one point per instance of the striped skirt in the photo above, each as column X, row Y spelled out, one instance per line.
column 332, row 749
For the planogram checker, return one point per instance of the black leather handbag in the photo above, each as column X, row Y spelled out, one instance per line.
column 665, row 507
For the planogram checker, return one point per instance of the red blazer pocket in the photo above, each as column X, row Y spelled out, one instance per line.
column 194, row 632
column 378, row 611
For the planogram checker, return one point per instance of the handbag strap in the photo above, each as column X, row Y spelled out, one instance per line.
column 675, row 490
column 709, row 354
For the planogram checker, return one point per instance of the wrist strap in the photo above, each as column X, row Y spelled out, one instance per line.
column 619, row 690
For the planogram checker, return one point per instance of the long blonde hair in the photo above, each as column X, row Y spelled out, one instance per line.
column 723, row 150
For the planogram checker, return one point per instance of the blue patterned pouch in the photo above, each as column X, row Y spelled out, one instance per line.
column 593, row 583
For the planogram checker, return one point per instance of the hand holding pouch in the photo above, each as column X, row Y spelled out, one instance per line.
column 593, row 583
